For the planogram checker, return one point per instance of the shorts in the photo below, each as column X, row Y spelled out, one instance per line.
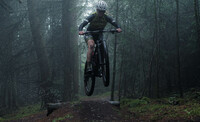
column 88, row 37
column 93, row 37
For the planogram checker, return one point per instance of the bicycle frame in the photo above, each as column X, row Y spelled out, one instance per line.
column 100, row 43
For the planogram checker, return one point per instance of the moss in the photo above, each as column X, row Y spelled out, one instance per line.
column 2, row 119
column 133, row 102
column 158, row 109
column 174, row 101
column 23, row 111
column 193, row 109
column 75, row 102
column 68, row 116
column 105, row 94
column 193, row 94
column 146, row 99
column 154, row 118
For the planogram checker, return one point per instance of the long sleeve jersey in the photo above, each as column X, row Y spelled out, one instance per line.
column 97, row 22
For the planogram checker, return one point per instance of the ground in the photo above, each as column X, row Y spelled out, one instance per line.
column 98, row 109
column 85, row 110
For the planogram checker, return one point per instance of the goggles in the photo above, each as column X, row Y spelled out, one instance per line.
column 101, row 11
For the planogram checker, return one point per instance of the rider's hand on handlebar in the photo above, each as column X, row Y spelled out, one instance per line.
column 119, row 30
column 81, row 32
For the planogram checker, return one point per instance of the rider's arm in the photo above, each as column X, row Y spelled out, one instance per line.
column 112, row 21
column 86, row 21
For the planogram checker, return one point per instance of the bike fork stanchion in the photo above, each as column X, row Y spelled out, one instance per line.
column 100, row 58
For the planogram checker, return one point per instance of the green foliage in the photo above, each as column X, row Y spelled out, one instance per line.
column 2, row 119
column 195, row 111
column 146, row 99
column 158, row 109
column 173, row 100
column 23, row 111
column 193, row 94
column 75, row 102
column 104, row 94
column 193, row 108
column 135, row 102
column 68, row 116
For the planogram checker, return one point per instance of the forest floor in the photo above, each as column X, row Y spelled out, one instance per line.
column 98, row 109
column 88, row 109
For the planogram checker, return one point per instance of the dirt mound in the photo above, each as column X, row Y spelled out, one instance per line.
column 83, row 111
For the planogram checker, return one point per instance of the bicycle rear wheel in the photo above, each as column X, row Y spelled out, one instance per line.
column 105, row 66
column 89, row 82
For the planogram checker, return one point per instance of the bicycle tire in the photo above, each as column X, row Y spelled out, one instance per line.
column 89, row 78
column 105, row 66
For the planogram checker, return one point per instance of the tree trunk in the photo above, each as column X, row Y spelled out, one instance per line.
column 114, row 61
column 169, row 83
column 125, row 84
column 156, row 40
column 120, row 76
column 66, row 24
column 196, row 10
column 75, row 61
column 39, row 46
column 76, row 66
column 178, row 50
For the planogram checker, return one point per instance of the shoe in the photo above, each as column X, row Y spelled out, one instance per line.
column 100, row 73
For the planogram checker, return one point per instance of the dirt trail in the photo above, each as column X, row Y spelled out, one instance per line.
column 98, row 111
column 87, row 110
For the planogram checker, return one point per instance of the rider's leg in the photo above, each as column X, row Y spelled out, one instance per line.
column 90, row 51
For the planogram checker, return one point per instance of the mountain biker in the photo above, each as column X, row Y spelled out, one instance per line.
column 98, row 21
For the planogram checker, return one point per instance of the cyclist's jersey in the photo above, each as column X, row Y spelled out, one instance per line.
column 97, row 22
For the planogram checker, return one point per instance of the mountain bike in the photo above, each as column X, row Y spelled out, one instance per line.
column 100, row 63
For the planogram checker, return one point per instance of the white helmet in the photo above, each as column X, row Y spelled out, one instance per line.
column 102, row 6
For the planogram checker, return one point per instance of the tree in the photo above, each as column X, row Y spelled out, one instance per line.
column 114, row 61
column 71, row 56
column 196, row 11
column 35, row 25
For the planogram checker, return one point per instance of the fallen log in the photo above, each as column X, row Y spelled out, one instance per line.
column 115, row 103
column 53, row 106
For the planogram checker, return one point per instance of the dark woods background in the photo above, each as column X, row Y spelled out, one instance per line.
column 42, row 58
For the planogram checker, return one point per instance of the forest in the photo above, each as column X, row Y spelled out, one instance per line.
column 154, row 62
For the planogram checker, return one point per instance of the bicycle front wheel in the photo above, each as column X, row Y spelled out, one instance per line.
column 89, row 82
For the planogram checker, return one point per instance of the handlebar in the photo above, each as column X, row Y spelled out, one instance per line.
column 100, row 31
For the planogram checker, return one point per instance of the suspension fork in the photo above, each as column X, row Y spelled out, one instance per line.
column 99, row 44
